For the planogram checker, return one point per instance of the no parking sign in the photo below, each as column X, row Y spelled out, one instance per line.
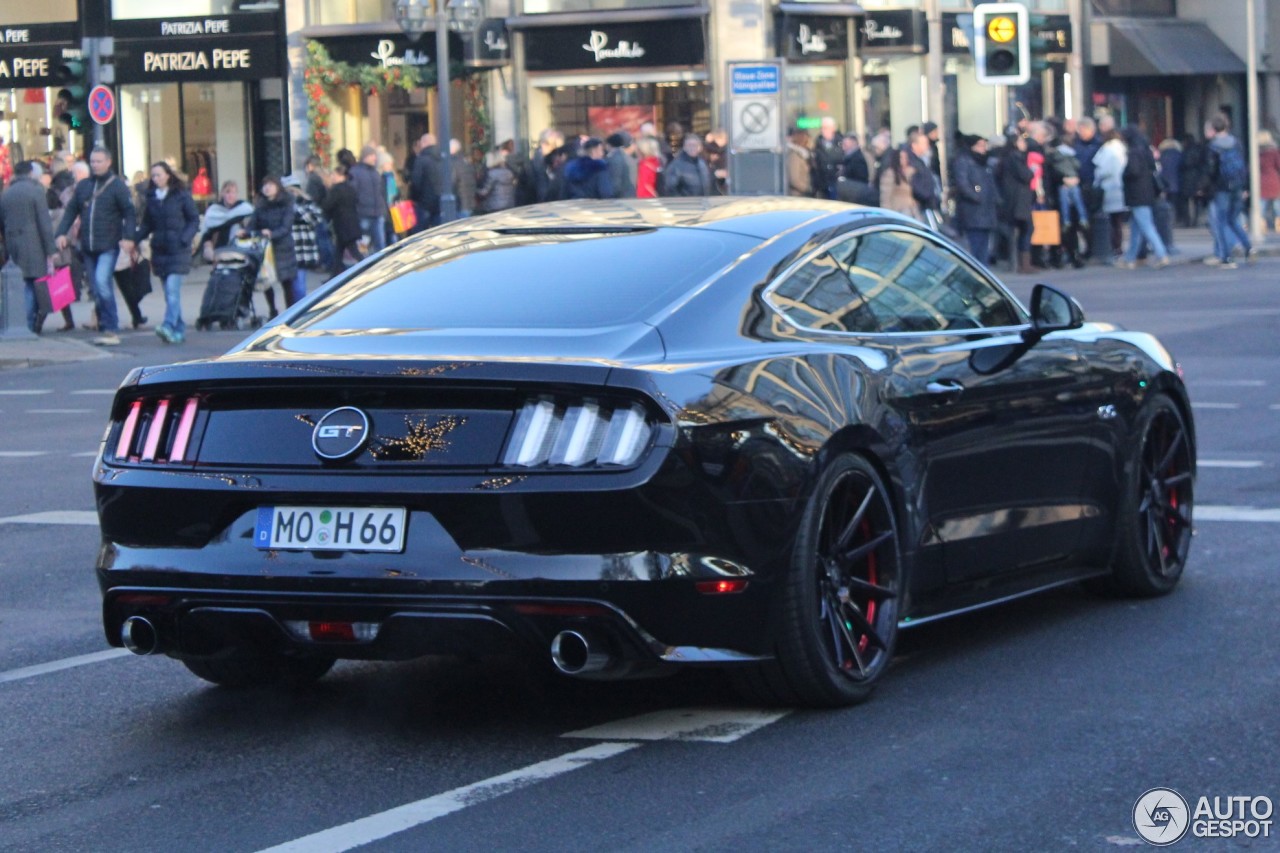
column 102, row 104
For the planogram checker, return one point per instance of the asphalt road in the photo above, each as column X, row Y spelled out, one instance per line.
column 1033, row 726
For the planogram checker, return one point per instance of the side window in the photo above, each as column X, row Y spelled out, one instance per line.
column 891, row 281
column 912, row 284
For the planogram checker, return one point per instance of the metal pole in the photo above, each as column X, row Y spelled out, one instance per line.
column 1251, row 88
column 94, row 67
column 937, row 88
column 1075, row 95
column 448, row 201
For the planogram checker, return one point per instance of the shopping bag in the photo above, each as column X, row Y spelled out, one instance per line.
column 134, row 280
column 55, row 292
column 403, row 217
column 267, row 277
column 1046, row 228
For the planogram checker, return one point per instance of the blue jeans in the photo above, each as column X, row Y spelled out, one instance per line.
column 29, row 302
column 1269, row 208
column 979, row 243
column 1069, row 199
column 1224, row 218
column 375, row 227
column 103, row 266
column 1142, row 228
column 173, row 303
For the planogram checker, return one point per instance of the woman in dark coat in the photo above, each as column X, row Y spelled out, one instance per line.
column 1013, row 178
column 273, row 218
column 976, row 196
column 340, row 206
column 169, row 218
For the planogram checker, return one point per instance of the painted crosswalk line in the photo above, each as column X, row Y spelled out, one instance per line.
column 715, row 725
column 66, row 516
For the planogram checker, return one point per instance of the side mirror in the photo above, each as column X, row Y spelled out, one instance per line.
column 1051, row 311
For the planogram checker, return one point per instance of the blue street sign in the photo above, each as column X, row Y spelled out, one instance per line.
column 756, row 80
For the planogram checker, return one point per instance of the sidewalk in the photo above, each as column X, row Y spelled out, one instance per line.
column 1191, row 245
column 55, row 347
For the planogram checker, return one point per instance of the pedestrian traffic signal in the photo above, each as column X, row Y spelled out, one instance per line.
column 1002, row 44
column 70, row 104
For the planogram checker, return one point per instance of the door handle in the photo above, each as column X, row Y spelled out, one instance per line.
column 947, row 388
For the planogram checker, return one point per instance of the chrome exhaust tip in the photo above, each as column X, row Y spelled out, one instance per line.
column 579, row 653
column 139, row 636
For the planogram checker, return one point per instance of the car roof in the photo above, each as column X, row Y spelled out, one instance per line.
column 760, row 217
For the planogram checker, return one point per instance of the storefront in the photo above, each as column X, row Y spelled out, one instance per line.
column 204, row 93
column 394, row 116
column 599, row 78
column 893, row 87
column 30, row 55
column 814, row 40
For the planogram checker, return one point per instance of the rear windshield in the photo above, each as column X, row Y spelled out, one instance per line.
column 550, row 282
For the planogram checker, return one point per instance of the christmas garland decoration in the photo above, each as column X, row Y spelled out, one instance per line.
column 322, row 74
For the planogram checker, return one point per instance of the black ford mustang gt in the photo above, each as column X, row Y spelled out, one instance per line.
column 631, row 436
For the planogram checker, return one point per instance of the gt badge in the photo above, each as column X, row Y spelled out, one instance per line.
column 340, row 434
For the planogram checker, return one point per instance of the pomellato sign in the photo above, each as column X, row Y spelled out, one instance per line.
column 894, row 31
column 631, row 44
column 806, row 39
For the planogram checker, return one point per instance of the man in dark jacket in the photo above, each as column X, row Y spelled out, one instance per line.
column 371, row 199
column 688, row 174
column 28, row 234
column 340, row 206
column 587, row 175
column 1140, row 197
column 827, row 157
column 622, row 165
column 425, row 181
column 109, row 220
column 976, row 197
column 924, row 183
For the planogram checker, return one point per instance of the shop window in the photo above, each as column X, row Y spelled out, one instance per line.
column 134, row 9
column 1136, row 8
column 599, row 109
column 815, row 91
column 350, row 11
column 194, row 125
column 536, row 7
column 37, row 11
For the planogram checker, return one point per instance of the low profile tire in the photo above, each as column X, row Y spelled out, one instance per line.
column 1153, row 531
column 839, row 601
column 261, row 670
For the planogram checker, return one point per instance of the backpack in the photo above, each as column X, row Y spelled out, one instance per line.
column 1232, row 171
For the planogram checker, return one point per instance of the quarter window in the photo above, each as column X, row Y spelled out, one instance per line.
column 892, row 281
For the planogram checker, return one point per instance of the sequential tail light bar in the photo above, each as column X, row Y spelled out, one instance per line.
column 158, row 430
column 577, row 434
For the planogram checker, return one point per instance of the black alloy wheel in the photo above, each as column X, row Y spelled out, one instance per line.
column 1155, row 527
column 840, row 602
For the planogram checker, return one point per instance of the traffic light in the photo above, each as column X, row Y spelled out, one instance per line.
column 70, row 103
column 1002, row 44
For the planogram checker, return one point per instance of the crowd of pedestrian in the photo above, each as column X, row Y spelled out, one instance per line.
column 1093, row 179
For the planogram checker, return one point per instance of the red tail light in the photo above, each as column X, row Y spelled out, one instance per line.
column 721, row 587
column 157, row 430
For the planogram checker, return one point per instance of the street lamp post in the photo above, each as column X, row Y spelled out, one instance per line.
column 460, row 16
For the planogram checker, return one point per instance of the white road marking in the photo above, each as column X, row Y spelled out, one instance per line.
column 717, row 725
column 1230, row 463
column 374, row 827
column 106, row 391
column 1215, row 405
column 21, row 454
column 59, row 665
column 1236, row 513
column 59, row 411
column 88, row 454
column 1233, row 383
column 67, row 516
column 1275, row 407
column 21, row 393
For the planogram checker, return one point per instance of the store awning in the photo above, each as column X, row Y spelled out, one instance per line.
column 832, row 10
column 610, row 16
column 1168, row 48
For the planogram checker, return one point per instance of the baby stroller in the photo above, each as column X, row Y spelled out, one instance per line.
column 228, row 297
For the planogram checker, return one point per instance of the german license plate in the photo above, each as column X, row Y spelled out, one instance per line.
column 330, row 528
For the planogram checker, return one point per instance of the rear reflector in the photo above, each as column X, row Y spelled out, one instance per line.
column 578, row 434
column 721, row 587
column 539, row 608
column 144, row 599
column 333, row 632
